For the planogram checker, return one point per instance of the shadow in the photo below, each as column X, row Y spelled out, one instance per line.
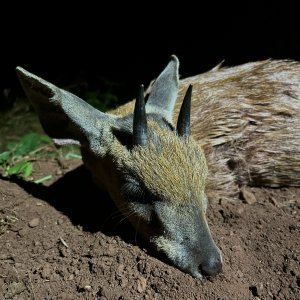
column 76, row 196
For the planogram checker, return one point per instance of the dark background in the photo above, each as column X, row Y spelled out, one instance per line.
column 125, row 48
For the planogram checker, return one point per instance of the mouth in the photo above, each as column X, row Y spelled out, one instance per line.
column 195, row 273
column 180, row 257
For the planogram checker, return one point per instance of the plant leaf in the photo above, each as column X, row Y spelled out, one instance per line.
column 27, row 170
column 73, row 155
column 27, row 143
column 11, row 145
column 17, row 168
column 43, row 179
column 4, row 157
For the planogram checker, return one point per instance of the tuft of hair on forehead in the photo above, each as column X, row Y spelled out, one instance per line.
column 171, row 168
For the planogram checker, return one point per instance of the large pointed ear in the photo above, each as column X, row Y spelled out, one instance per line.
column 62, row 114
column 164, row 91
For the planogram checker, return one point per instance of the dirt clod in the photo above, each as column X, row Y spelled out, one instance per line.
column 273, row 201
column 34, row 222
column 14, row 289
column 141, row 284
column 247, row 196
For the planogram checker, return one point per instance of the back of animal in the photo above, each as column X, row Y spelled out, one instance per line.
column 248, row 120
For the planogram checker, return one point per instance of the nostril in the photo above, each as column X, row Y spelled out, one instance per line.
column 211, row 267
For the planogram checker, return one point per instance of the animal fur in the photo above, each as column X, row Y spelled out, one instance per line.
column 245, row 131
column 247, row 118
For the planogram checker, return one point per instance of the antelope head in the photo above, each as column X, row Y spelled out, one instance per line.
column 154, row 171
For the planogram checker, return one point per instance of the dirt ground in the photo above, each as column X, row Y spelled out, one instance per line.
column 65, row 240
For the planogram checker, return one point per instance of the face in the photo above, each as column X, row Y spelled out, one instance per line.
column 162, row 186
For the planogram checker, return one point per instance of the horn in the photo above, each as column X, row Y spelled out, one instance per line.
column 184, row 118
column 140, row 135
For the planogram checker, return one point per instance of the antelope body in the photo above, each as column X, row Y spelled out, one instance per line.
column 245, row 125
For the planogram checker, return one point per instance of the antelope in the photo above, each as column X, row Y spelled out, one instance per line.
column 240, row 126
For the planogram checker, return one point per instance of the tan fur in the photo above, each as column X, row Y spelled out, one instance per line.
column 169, row 167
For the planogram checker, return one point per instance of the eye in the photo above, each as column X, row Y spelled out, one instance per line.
column 133, row 192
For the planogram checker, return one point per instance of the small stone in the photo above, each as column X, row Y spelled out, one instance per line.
column 105, row 292
column 59, row 172
column 23, row 231
column 6, row 257
column 34, row 222
column 168, row 271
column 102, row 243
column 271, row 295
column 87, row 287
column 260, row 288
column 273, row 201
column 37, row 243
column 237, row 248
column 120, row 269
column 257, row 290
column 240, row 210
column 14, row 289
column 247, row 196
column 111, row 250
column 141, row 284
column 46, row 271
column 59, row 221
column 239, row 274
column 141, row 266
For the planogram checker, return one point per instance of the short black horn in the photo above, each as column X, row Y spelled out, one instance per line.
column 184, row 118
column 140, row 135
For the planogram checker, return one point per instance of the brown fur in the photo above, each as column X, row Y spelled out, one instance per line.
column 248, row 119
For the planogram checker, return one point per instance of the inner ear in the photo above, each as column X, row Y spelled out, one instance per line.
column 124, row 136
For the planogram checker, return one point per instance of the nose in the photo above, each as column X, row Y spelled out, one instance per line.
column 212, row 266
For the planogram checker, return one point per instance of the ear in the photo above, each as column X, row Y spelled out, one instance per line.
column 64, row 115
column 164, row 91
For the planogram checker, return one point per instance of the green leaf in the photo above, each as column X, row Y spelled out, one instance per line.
column 4, row 156
column 17, row 168
column 73, row 155
column 11, row 145
column 27, row 143
column 45, row 139
column 27, row 170
column 40, row 180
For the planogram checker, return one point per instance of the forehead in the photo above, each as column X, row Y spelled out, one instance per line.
column 170, row 167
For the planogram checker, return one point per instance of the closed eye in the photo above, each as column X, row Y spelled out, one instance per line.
column 134, row 193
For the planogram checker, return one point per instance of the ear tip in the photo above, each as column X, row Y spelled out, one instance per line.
column 23, row 74
column 33, row 82
column 20, row 70
column 174, row 58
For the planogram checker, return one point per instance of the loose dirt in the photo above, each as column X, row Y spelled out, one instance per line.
column 65, row 240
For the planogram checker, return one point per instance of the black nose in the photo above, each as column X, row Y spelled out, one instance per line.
column 211, row 267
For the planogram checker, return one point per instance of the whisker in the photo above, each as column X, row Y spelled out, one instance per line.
column 136, row 231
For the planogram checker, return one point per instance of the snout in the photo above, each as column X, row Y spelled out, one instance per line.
column 211, row 266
